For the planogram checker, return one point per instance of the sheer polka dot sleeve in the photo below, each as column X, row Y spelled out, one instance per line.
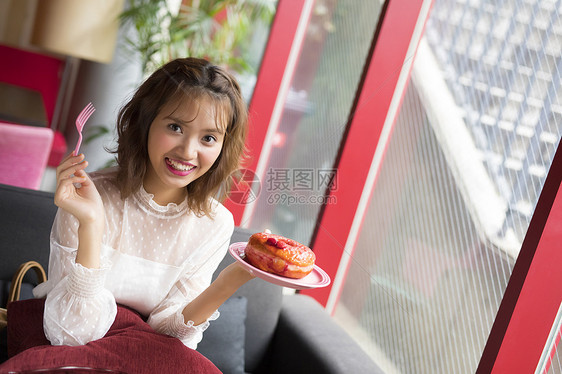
column 78, row 309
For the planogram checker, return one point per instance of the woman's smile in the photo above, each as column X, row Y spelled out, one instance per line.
column 179, row 168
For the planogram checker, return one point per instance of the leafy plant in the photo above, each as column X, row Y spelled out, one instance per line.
column 215, row 29
column 94, row 132
column 219, row 30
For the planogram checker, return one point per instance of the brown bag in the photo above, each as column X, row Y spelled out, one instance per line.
column 15, row 286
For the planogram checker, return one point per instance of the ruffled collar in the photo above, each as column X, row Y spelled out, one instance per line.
column 147, row 203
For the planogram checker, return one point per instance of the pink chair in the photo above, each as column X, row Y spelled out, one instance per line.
column 24, row 152
column 39, row 72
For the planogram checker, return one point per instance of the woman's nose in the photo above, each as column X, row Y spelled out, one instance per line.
column 190, row 148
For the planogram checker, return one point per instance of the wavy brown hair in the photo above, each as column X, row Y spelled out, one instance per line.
column 190, row 78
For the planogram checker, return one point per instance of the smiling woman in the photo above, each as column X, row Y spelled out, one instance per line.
column 150, row 234
column 184, row 95
column 184, row 141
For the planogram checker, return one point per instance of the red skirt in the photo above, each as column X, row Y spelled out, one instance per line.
column 130, row 346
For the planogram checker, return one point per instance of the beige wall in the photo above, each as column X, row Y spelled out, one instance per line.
column 86, row 29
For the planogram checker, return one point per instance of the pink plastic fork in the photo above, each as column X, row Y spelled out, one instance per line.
column 81, row 121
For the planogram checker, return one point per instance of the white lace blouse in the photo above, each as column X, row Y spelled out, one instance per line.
column 155, row 259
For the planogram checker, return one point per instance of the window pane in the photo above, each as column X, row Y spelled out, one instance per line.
column 462, row 172
column 551, row 362
column 299, row 170
column 422, row 286
column 502, row 63
column 253, row 44
column 555, row 365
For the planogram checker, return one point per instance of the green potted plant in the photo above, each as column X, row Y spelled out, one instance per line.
column 219, row 30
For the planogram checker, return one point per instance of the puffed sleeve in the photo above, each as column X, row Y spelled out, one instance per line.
column 78, row 308
column 167, row 317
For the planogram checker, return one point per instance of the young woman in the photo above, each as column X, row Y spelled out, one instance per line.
column 149, row 233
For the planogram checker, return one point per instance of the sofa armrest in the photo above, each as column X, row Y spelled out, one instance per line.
column 26, row 217
column 308, row 340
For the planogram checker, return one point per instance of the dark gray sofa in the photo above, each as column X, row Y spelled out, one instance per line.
column 260, row 329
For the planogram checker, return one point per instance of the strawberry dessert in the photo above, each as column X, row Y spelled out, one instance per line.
column 279, row 255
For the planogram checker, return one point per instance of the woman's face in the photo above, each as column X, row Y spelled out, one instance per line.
column 183, row 143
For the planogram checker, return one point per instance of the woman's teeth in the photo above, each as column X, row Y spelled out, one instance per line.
column 178, row 165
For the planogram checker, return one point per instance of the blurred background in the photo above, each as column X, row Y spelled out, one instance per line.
column 407, row 142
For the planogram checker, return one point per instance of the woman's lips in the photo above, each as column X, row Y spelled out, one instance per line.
column 178, row 167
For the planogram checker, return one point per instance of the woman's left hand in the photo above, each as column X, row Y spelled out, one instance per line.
column 85, row 202
column 227, row 283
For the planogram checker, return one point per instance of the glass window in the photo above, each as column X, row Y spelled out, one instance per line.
column 471, row 147
column 551, row 359
column 300, row 164
column 502, row 63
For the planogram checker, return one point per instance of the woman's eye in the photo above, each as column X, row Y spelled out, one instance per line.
column 174, row 127
column 209, row 139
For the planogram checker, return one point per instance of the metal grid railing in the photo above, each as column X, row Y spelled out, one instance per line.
column 502, row 61
column 555, row 364
column 424, row 284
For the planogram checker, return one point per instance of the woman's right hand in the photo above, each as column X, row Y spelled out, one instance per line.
column 83, row 202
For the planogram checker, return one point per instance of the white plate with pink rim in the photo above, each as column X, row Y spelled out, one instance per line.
column 316, row 279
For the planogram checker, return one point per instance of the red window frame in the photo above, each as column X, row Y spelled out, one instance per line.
column 533, row 294
column 269, row 92
column 373, row 113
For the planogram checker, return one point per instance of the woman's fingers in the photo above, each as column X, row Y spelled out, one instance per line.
column 68, row 156
column 66, row 185
column 72, row 178
column 71, row 159
column 68, row 162
column 72, row 170
column 66, row 190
